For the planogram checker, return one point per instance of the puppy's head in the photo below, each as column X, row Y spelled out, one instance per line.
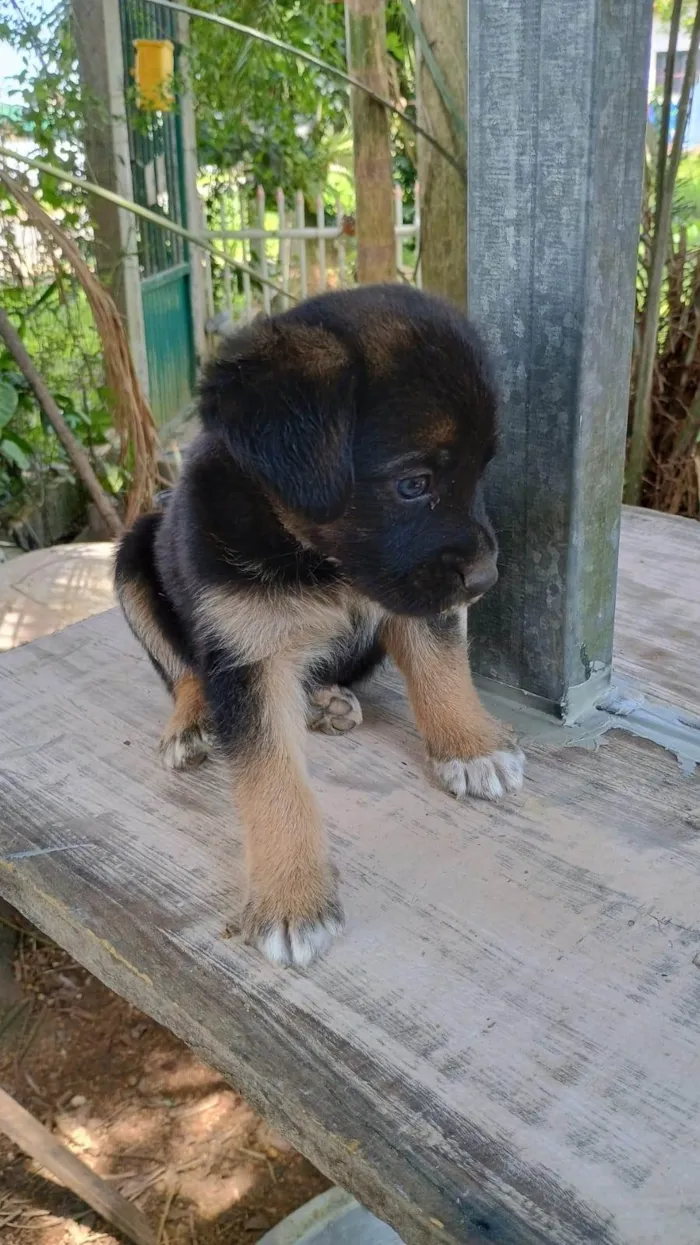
column 368, row 417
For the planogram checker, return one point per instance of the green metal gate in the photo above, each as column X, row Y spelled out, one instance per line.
column 155, row 142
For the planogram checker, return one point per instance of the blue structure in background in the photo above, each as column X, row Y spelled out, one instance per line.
column 691, row 138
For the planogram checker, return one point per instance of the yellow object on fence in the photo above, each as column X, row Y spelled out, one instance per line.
column 153, row 74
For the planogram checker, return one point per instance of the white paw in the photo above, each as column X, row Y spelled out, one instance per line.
column 298, row 945
column 333, row 710
column 187, row 749
column 490, row 778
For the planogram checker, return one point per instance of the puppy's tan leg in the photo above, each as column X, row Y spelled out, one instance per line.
column 187, row 736
column 469, row 752
column 293, row 912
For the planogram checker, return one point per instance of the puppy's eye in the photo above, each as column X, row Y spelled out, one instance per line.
column 410, row 488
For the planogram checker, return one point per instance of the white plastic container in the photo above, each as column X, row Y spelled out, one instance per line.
column 332, row 1218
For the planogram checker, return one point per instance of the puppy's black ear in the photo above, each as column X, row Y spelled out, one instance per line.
column 282, row 394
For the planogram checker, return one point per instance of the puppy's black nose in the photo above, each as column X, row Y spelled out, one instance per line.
column 478, row 579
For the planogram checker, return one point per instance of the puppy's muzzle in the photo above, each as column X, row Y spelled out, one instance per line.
column 477, row 579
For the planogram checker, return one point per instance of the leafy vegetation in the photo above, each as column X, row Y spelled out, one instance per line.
column 49, row 311
column 663, row 467
column 52, row 99
column 58, row 332
column 270, row 120
column 279, row 121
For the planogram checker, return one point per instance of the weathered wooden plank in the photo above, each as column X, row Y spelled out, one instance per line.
column 657, row 619
column 506, row 1041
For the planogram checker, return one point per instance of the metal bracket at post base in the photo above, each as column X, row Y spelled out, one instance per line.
column 578, row 702
column 591, row 710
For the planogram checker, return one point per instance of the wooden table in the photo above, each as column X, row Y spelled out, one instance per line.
column 505, row 1047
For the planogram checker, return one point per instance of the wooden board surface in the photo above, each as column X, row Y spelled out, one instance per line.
column 657, row 619
column 506, row 1042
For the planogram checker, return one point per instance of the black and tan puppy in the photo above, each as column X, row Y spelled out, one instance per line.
column 329, row 513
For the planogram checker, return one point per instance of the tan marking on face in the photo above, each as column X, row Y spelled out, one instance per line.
column 440, row 431
column 303, row 531
column 386, row 342
column 447, row 708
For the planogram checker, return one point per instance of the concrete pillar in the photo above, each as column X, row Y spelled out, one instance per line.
column 557, row 97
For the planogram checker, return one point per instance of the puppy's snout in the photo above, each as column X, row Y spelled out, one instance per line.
column 477, row 579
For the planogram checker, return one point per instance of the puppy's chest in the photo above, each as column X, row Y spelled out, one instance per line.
column 306, row 626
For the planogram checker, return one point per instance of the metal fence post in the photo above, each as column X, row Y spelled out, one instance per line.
column 557, row 111
column 193, row 206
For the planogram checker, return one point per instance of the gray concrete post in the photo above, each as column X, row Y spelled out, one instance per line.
column 557, row 110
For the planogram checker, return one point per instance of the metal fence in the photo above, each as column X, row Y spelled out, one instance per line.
column 276, row 241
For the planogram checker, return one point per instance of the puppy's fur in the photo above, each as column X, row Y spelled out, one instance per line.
column 329, row 513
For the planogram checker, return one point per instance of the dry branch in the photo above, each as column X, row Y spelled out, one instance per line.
column 71, row 445
column 38, row 1142
column 132, row 415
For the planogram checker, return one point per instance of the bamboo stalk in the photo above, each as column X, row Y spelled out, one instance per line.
column 641, row 418
column 664, row 127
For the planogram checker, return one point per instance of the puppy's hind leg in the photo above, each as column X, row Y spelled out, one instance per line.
column 333, row 708
column 152, row 619
column 188, row 738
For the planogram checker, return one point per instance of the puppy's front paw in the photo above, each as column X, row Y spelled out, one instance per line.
column 186, row 748
column 489, row 777
column 333, row 710
column 292, row 941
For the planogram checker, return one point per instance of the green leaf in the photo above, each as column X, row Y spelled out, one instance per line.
column 74, row 417
column 8, row 402
column 114, row 477
column 12, row 450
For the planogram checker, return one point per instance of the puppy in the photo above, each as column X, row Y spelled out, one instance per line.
column 329, row 513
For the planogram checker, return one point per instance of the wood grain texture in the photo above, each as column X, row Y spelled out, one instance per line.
column 507, row 1040
column 365, row 31
column 443, row 238
column 657, row 620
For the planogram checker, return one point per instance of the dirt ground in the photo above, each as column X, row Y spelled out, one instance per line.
column 137, row 1107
